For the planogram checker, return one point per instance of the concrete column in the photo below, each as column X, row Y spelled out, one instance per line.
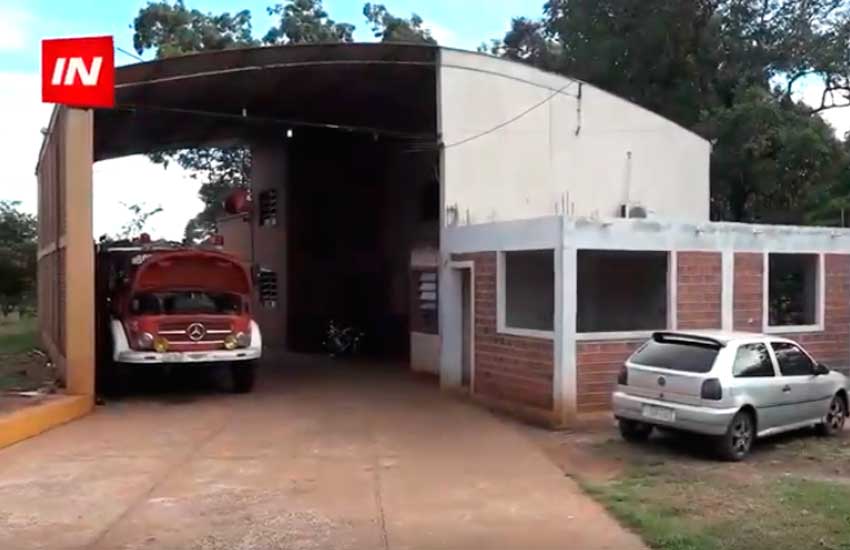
column 78, row 156
column 269, row 169
column 566, row 291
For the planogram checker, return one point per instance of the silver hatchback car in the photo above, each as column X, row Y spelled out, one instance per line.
column 735, row 386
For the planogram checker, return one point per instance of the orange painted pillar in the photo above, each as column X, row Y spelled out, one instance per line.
column 78, row 151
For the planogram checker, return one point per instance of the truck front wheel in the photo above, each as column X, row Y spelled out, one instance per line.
column 243, row 373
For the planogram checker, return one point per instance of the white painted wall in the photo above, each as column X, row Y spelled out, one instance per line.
column 569, row 154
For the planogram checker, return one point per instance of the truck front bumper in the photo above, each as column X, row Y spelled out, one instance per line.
column 186, row 357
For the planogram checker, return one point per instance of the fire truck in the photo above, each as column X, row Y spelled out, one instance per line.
column 166, row 304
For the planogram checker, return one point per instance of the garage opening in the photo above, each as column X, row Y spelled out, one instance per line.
column 356, row 209
column 622, row 291
column 344, row 176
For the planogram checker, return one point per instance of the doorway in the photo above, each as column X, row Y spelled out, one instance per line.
column 459, row 335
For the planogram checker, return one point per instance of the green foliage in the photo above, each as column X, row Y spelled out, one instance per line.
column 306, row 22
column 711, row 66
column 389, row 28
column 18, row 248
column 173, row 29
column 18, row 336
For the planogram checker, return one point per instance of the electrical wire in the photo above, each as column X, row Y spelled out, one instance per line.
column 128, row 53
column 513, row 119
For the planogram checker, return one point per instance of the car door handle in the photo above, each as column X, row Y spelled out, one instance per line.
column 786, row 389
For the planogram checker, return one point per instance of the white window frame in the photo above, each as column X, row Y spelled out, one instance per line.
column 820, row 296
column 672, row 270
column 501, row 326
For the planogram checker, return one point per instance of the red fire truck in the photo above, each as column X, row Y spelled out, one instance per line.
column 168, row 304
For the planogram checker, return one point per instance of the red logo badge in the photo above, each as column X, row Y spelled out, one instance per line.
column 79, row 72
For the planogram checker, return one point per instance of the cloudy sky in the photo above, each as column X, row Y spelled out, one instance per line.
column 23, row 23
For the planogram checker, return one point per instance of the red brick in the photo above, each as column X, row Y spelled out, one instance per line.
column 698, row 289
column 512, row 368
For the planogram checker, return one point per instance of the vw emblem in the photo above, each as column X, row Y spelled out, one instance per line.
column 196, row 331
column 662, row 381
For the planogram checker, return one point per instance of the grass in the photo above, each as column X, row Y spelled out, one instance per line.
column 18, row 336
column 676, row 508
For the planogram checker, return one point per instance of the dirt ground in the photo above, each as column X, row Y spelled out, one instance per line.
column 594, row 451
column 792, row 492
column 323, row 455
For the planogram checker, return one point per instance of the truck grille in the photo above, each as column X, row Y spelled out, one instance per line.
column 182, row 332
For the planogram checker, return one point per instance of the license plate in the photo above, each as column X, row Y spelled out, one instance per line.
column 172, row 357
column 659, row 413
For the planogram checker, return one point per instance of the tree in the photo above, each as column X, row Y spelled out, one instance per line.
column 173, row 29
column 306, row 22
column 139, row 216
column 725, row 69
column 18, row 233
column 389, row 28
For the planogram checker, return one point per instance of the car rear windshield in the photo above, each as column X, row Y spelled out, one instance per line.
column 680, row 355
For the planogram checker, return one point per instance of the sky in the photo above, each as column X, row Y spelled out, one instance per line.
column 135, row 180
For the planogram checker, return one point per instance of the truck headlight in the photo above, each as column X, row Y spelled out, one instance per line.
column 145, row 340
column 160, row 344
column 230, row 342
column 243, row 340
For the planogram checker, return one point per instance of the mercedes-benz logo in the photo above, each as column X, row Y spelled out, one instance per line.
column 662, row 381
column 196, row 331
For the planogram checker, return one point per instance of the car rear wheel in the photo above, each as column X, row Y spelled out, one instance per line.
column 635, row 431
column 244, row 374
column 834, row 421
column 739, row 438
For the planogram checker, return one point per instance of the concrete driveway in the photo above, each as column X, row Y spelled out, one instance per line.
column 322, row 455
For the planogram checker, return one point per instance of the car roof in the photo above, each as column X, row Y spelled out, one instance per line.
column 725, row 336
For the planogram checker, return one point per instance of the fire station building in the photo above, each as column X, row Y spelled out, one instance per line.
column 514, row 232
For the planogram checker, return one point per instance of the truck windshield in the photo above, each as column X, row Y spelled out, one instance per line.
column 186, row 303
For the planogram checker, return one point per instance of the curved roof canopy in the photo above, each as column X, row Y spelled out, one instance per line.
column 240, row 94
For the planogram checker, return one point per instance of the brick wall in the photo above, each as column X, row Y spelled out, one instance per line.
column 699, row 283
column 598, row 364
column 515, row 369
column 748, row 292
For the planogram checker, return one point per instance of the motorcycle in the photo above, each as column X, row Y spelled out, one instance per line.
column 341, row 341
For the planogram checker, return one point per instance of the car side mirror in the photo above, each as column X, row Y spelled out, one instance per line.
column 821, row 369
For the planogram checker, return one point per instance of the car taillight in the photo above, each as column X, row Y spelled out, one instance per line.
column 711, row 389
column 623, row 377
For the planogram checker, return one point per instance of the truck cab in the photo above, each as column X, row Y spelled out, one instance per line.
column 175, row 305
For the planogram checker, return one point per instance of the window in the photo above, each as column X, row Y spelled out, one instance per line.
column 792, row 361
column 752, row 361
column 528, row 287
column 621, row 291
column 268, row 288
column 680, row 355
column 268, row 207
column 792, row 289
